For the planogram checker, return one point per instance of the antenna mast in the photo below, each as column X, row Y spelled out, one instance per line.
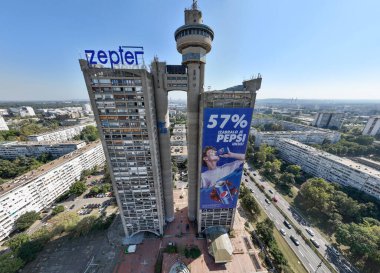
column 195, row 5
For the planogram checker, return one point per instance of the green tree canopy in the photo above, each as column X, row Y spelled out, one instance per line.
column 26, row 220
column 78, row 188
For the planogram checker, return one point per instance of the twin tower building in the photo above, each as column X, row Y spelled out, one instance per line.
column 130, row 105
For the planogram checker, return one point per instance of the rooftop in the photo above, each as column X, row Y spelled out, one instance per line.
column 344, row 161
column 63, row 129
column 42, row 143
column 31, row 175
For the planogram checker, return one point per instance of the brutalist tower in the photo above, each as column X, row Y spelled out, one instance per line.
column 131, row 110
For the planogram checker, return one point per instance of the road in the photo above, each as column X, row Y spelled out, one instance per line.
column 338, row 262
column 304, row 253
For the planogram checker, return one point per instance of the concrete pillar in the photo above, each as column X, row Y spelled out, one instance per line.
column 163, row 126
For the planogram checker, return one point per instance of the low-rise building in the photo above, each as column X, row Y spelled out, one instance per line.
column 23, row 111
column 372, row 127
column 330, row 167
column 60, row 135
column 39, row 188
column 14, row 149
column 179, row 153
column 179, row 131
column 178, row 140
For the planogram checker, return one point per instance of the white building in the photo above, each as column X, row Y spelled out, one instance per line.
column 61, row 134
column 3, row 124
column 13, row 149
column 38, row 189
column 330, row 167
column 179, row 131
column 178, row 140
column 299, row 132
column 23, row 111
column 372, row 127
column 179, row 153
column 306, row 137
column 328, row 120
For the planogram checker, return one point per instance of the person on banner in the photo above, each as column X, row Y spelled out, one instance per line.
column 211, row 157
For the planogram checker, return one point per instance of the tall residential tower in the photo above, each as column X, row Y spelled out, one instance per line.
column 130, row 106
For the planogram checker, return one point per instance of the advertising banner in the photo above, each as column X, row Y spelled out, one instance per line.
column 225, row 136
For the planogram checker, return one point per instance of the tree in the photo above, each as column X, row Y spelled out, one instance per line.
column 95, row 190
column 249, row 203
column 315, row 196
column 105, row 188
column 363, row 239
column 10, row 263
column 28, row 251
column 78, row 188
column 84, row 226
column 89, row 133
column 26, row 220
column 15, row 242
column 265, row 230
column 293, row 169
column 287, row 181
column 58, row 209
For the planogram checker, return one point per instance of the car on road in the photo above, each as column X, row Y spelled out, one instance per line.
column 274, row 199
column 294, row 239
column 271, row 191
column 254, row 174
column 308, row 230
column 246, row 180
column 315, row 243
column 267, row 201
column 72, row 206
column 282, row 231
column 287, row 224
column 251, row 191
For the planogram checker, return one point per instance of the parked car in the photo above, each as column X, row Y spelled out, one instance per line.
column 72, row 206
column 271, row 191
column 294, row 239
column 254, row 174
column 308, row 230
column 287, row 224
column 267, row 201
column 251, row 190
column 315, row 243
column 282, row 231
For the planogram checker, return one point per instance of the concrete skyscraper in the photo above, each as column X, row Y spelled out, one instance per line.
column 130, row 106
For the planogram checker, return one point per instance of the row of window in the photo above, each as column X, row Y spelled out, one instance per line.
column 193, row 32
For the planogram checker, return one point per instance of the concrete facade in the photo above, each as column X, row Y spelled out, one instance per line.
column 222, row 99
column 124, row 107
column 39, row 188
column 328, row 120
column 60, row 135
column 3, row 124
column 11, row 150
column 372, row 128
column 330, row 167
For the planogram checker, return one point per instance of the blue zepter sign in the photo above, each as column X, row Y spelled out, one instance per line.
column 225, row 136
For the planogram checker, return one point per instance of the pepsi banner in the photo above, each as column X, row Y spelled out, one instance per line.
column 224, row 143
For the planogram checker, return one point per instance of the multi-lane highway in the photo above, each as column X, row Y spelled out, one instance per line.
column 304, row 253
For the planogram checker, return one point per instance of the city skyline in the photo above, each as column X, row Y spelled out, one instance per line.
column 300, row 52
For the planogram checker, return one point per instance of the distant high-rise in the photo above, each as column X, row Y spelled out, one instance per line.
column 328, row 120
column 372, row 127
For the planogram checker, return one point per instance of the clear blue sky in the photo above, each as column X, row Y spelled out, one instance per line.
column 307, row 49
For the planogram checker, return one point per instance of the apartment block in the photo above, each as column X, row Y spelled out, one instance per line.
column 60, row 135
column 328, row 120
column 39, row 188
column 372, row 127
column 14, row 149
column 330, row 167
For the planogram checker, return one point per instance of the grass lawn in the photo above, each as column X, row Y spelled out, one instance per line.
column 288, row 253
